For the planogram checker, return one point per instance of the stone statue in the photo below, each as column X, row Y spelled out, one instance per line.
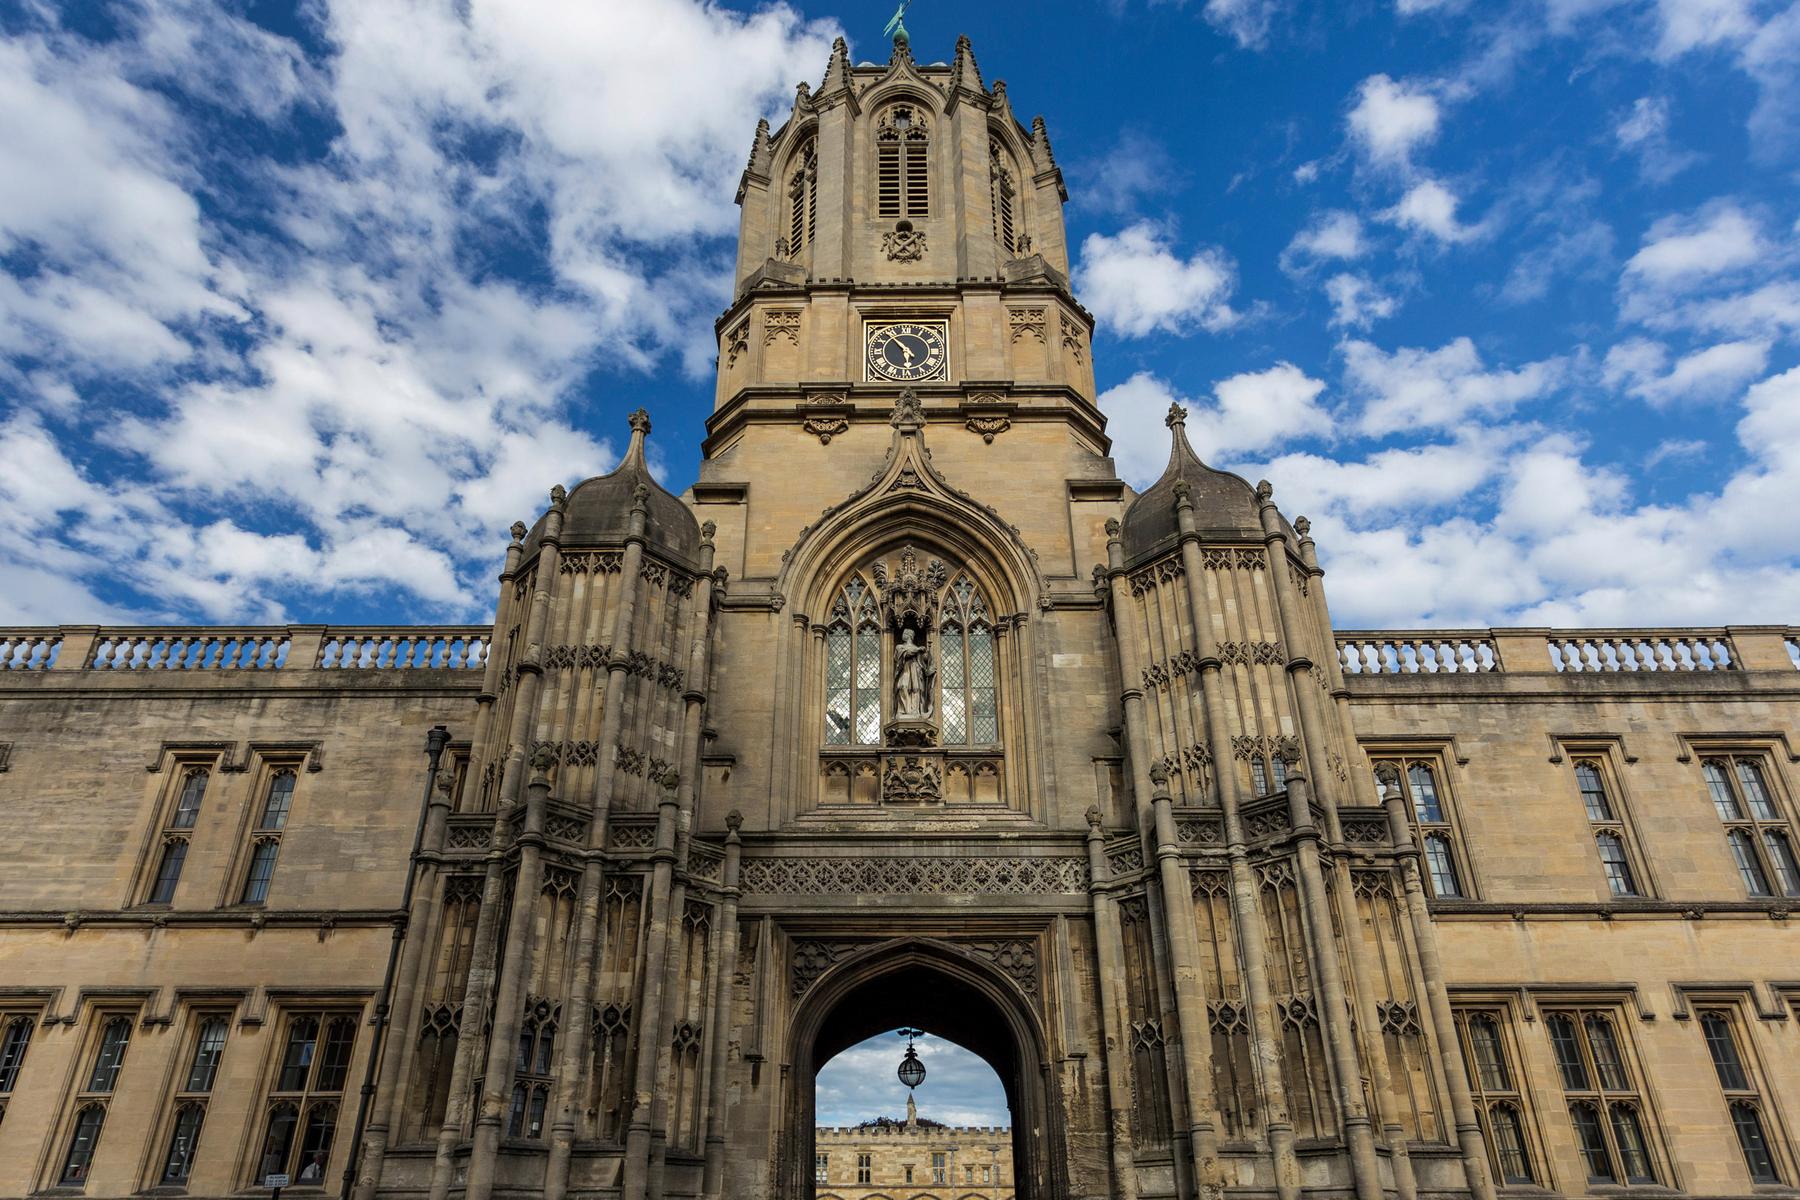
column 912, row 678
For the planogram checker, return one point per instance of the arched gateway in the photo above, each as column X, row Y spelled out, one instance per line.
column 947, row 992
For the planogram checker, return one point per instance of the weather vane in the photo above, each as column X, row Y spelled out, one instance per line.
column 912, row 1071
column 896, row 26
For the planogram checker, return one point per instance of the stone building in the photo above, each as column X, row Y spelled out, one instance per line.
column 908, row 712
column 912, row 1159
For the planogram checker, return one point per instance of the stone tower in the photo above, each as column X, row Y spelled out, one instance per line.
column 911, row 713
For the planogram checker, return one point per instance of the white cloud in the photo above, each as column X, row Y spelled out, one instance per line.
column 1709, row 374
column 1137, row 284
column 1246, row 21
column 1356, row 303
column 1391, row 119
column 1336, row 234
column 1412, row 8
column 351, row 364
column 1248, row 412
column 960, row 1088
column 1691, row 24
column 1417, row 388
column 1644, row 131
column 1430, row 207
column 1680, row 249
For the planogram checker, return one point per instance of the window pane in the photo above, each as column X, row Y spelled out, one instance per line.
column 837, row 717
column 334, row 1063
column 182, row 1143
column 837, row 657
column 1748, row 1123
column 82, row 1141
column 1781, row 857
column 1490, row 1062
column 1278, row 768
column 1592, row 1141
column 187, row 808
column 168, row 871
column 1567, row 1045
column 515, row 1120
column 296, row 1060
column 111, row 1056
column 1426, row 806
column 1509, row 1144
column 986, row 722
column 1616, row 865
column 278, row 1142
column 1756, row 790
column 534, row 1118
column 262, row 870
column 1748, row 865
column 1628, row 1132
column 279, row 800
column 315, row 1147
column 207, row 1049
column 1593, row 792
column 1605, row 1046
column 1720, row 787
column 1259, row 776
column 955, row 718
column 1441, row 865
column 13, row 1044
column 1723, row 1048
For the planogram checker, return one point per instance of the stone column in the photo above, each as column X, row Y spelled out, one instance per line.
column 1194, row 1035
column 1363, row 969
column 482, row 965
column 720, row 1021
column 1246, row 911
column 1333, row 1003
column 1109, row 947
column 578, row 1002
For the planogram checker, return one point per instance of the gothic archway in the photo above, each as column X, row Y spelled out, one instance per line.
column 946, row 992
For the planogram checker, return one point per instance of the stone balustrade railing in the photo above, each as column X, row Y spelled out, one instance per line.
column 1572, row 651
column 262, row 648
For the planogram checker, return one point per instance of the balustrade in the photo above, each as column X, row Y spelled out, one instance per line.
column 29, row 649
column 1642, row 650
column 188, row 649
column 463, row 648
column 1461, row 652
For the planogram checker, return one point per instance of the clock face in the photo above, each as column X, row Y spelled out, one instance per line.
column 907, row 351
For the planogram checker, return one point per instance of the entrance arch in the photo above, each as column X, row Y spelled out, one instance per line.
column 948, row 993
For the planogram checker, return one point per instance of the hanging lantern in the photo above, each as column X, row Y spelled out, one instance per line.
column 912, row 1071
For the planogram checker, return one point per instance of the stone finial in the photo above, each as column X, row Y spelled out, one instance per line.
column 639, row 495
column 837, row 70
column 1184, row 492
column 707, row 530
column 1177, row 416
column 1265, row 491
column 1159, row 775
column 1113, row 528
column 1099, row 577
column 734, row 820
column 762, row 155
column 518, row 531
column 803, row 96
column 671, row 779
column 909, row 416
column 964, row 70
column 639, row 422
column 543, row 761
column 1093, row 816
column 1302, row 526
column 559, row 495
column 1040, row 142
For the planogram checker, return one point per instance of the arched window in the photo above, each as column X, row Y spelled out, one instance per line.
column 853, row 668
column 1757, row 833
column 183, row 1141
column 803, row 198
column 109, row 1059
column 83, row 1140
column 1005, row 200
column 967, row 670
column 902, row 149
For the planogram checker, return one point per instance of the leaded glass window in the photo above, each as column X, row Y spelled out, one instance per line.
column 853, row 668
column 1418, row 782
column 1605, row 1104
column 1498, row 1102
column 968, row 706
column 1756, row 831
column 1743, row 1098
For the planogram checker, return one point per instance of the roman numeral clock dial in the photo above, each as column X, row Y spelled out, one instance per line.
column 905, row 351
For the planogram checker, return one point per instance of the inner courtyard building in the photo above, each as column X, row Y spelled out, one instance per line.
column 907, row 712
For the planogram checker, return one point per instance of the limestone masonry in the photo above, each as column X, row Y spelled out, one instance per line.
column 908, row 712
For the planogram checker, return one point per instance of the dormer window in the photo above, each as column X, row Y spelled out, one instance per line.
column 902, row 143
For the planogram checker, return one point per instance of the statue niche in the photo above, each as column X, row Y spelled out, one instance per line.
column 909, row 604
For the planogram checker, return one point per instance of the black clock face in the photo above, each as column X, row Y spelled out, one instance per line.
column 906, row 351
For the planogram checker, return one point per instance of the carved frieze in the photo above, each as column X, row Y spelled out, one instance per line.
column 919, row 875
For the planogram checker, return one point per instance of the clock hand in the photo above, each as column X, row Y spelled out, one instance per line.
column 905, row 354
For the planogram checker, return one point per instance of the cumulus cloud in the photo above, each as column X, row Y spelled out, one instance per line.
column 1641, row 367
column 1681, row 249
column 960, row 1088
column 1248, row 412
column 1429, row 207
column 1137, row 283
column 1391, row 119
column 1356, row 303
column 1245, row 21
column 1435, row 389
column 1336, row 234
column 383, row 345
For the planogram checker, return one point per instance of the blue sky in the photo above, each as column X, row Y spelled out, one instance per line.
column 300, row 306
column 861, row 1084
